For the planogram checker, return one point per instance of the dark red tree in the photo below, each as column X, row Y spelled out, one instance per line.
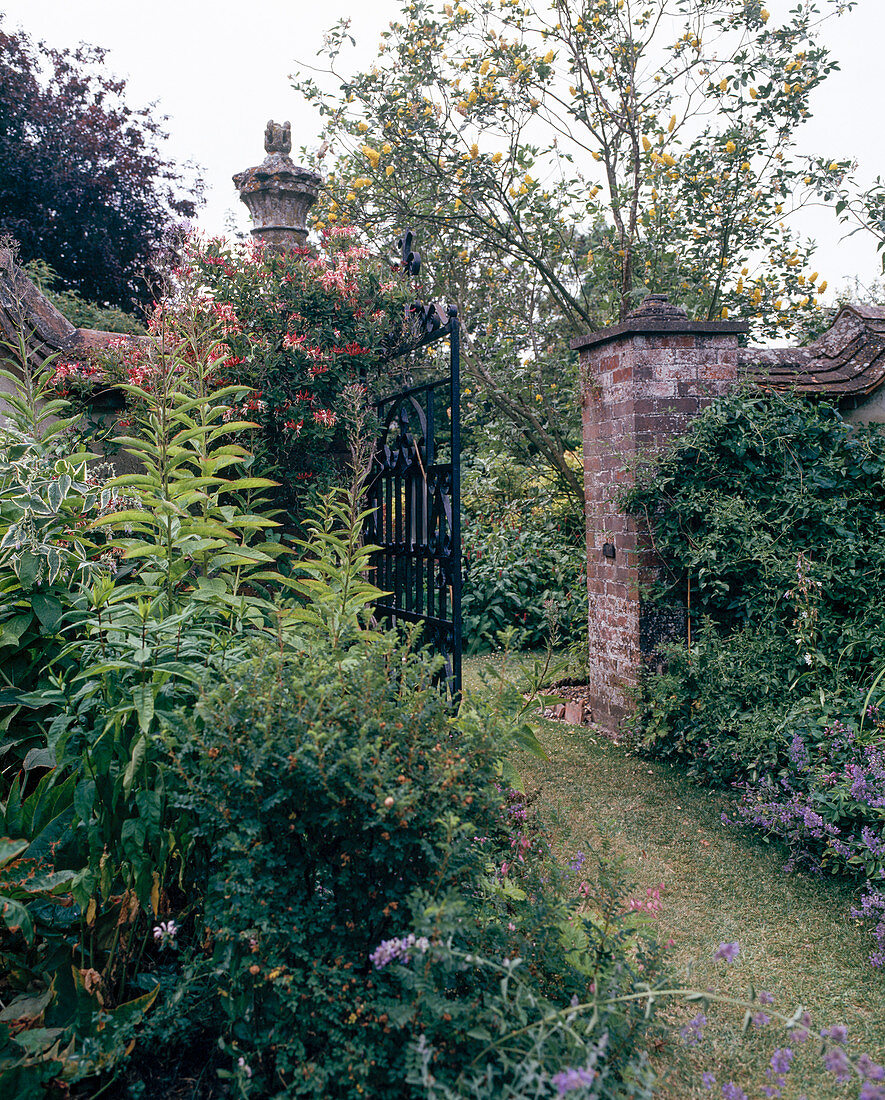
column 83, row 182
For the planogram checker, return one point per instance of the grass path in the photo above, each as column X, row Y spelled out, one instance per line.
column 720, row 884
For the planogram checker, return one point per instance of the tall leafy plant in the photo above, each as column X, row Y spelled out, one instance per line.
column 48, row 493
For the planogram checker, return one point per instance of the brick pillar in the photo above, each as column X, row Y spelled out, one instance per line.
column 641, row 383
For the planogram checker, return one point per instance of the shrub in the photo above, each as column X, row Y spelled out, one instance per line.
column 92, row 852
column 523, row 560
column 293, row 330
column 365, row 875
column 770, row 511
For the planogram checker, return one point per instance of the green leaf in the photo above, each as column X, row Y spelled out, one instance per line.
column 14, row 628
column 39, row 758
column 10, row 849
column 84, row 799
column 49, row 611
column 27, row 1006
column 138, row 755
column 16, row 918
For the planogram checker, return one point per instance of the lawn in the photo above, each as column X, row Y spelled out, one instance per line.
column 719, row 884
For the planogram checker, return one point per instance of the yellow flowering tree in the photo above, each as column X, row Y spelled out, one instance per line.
column 560, row 164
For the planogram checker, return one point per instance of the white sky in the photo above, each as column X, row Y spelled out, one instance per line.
column 219, row 69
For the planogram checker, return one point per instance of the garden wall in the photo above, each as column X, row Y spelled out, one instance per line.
column 641, row 383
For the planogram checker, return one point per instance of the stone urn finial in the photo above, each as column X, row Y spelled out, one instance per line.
column 658, row 306
column 278, row 193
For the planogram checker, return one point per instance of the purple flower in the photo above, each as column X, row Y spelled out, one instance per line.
column 389, row 951
column 708, row 1080
column 870, row 1070
column 693, row 1031
column 869, row 1091
column 838, row 1034
column 798, row 752
column 727, row 951
column 570, row 1079
column 837, row 1063
column 766, row 998
column 730, row 1091
column 781, row 1059
column 760, row 1019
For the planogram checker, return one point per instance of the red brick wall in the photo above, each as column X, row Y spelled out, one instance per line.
column 640, row 389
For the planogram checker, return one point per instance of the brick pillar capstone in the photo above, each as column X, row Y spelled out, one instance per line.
column 641, row 383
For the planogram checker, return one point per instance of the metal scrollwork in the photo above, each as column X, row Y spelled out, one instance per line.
column 414, row 494
column 411, row 260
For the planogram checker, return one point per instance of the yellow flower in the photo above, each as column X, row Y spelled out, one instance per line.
column 362, row 127
column 464, row 255
column 668, row 160
column 764, row 15
column 496, row 158
column 740, row 286
column 834, row 167
column 753, row 93
column 730, row 147
column 458, row 204
column 812, row 278
column 363, row 181
column 672, row 125
column 723, row 85
column 529, row 181
column 371, row 155
column 779, row 304
column 804, row 302
column 724, row 312
column 646, row 144
column 822, row 287
column 350, row 196
column 594, row 191
column 386, row 148
column 548, row 57
column 538, row 397
column 534, row 102
column 474, row 151
column 745, row 167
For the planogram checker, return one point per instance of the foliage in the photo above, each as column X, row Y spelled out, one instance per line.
column 294, row 330
column 410, row 858
column 47, row 496
column 83, row 182
column 770, row 512
column 77, row 310
column 523, row 559
column 95, row 850
column 557, row 165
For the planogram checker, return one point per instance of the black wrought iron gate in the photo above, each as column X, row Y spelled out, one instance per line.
column 415, row 491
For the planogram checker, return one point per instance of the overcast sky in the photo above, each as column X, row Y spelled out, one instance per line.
column 219, row 69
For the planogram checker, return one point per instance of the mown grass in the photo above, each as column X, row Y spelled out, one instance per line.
column 720, row 884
